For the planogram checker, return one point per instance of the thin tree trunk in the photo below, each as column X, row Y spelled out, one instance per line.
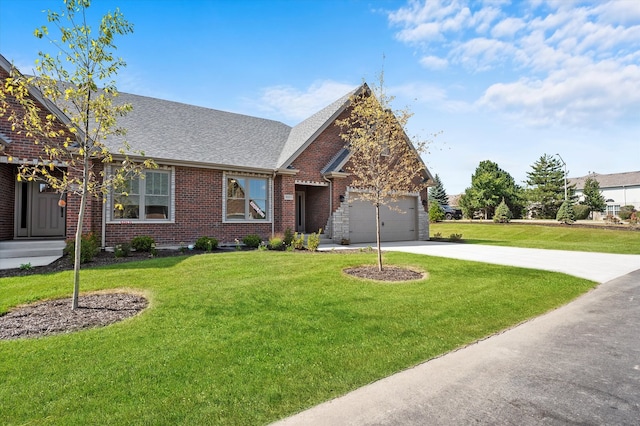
column 378, row 237
column 78, row 247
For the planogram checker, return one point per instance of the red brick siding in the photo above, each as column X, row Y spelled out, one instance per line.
column 198, row 212
column 319, row 153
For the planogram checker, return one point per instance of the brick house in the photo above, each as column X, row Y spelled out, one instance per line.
column 220, row 174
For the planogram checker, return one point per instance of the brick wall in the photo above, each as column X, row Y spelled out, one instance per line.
column 198, row 212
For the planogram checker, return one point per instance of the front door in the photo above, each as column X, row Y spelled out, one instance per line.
column 300, row 222
column 38, row 213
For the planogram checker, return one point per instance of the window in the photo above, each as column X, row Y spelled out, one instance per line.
column 144, row 199
column 613, row 209
column 246, row 198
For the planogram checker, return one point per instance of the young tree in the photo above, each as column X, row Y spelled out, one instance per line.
column 503, row 214
column 384, row 163
column 436, row 214
column 565, row 212
column 546, row 186
column 438, row 193
column 592, row 196
column 78, row 82
column 490, row 185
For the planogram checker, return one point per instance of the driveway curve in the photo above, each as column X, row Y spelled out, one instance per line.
column 579, row 364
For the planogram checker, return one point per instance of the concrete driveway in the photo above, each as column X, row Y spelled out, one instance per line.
column 579, row 364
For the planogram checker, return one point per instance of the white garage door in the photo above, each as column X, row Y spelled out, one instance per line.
column 395, row 225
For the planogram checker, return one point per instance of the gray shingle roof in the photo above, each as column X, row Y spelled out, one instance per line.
column 612, row 180
column 166, row 130
column 172, row 131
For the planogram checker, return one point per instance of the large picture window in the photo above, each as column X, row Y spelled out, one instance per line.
column 246, row 198
column 144, row 199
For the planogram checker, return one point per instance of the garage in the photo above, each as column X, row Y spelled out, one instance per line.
column 394, row 225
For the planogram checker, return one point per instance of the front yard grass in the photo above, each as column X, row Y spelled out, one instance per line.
column 567, row 237
column 247, row 338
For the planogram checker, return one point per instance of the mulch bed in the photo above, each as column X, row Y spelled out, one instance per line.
column 56, row 316
column 388, row 273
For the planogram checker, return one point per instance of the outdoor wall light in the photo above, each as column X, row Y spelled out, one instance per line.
column 341, row 198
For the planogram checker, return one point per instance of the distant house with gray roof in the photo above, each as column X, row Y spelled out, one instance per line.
column 618, row 190
column 220, row 174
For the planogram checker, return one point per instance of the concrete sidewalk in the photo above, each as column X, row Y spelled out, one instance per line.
column 579, row 364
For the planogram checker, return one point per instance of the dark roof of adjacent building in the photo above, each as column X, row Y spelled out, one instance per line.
column 613, row 180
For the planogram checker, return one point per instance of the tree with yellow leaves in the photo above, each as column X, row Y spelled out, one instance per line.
column 384, row 163
column 76, row 88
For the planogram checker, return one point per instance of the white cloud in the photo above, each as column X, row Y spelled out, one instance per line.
column 507, row 27
column 552, row 62
column 599, row 94
column 294, row 104
column 434, row 62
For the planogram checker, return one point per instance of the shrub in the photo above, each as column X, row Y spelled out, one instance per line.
column 206, row 243
column 143, row 243
column 581, row 211
column 89, row 247
column 122, row 250
column 26, row 266
column 252, row 241
column 625, row 212
column 298, row 241
column 455, row 237
column 565, row 213
column 276, row 242
column 502, row 214
column 288, row 237
column 436, row 214
column 313, row 242
column 437, row 235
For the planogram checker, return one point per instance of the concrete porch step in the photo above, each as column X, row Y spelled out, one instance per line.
column 31, row 248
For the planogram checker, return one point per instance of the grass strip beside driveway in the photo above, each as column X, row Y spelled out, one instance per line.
column 557, row 237
column 251, row 337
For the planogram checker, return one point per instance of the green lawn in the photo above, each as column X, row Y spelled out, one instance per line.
column 539, row 236
column 246, row 338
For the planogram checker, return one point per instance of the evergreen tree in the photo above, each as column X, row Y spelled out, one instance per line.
column 565, row 212
column 592, row 196
column 546, row 186
column 503, row 214
column 437, row 192
column 489, row 185
column 436, row 214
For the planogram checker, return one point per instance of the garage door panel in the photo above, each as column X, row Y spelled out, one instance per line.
column 399, row 224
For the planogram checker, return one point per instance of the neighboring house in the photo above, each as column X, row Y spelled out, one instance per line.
column 220, row 174
column 618, row 189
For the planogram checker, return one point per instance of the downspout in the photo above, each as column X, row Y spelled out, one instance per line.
column 330, row 201
column 273, row 210
column 104, row 224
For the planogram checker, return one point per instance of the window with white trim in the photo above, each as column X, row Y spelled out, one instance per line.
column 144, row 198
column 613, row 209
column 246, row 198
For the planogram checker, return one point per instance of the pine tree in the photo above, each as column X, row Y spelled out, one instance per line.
column 503, row 214
column 546, row 186
column 565, row 212
column 437, row 192
column 592, row 195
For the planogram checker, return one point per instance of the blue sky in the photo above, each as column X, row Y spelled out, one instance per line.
column 503, row 81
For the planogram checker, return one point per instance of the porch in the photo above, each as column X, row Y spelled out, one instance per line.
column 34, row 252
